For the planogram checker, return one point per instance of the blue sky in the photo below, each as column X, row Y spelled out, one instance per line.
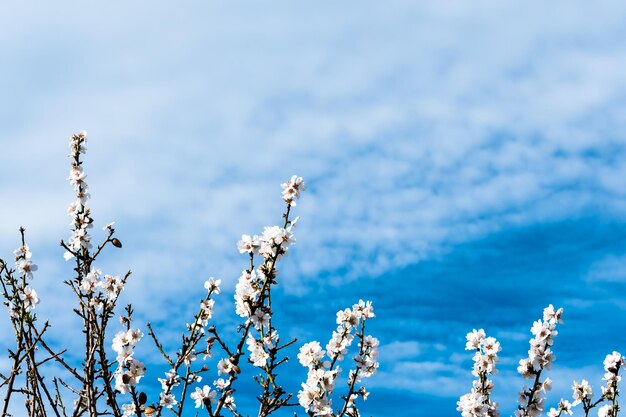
column 465, row 164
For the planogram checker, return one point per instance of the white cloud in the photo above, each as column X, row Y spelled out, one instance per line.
column 426, row 377
column 417, row 134
column 404, row 350
column 609, row 268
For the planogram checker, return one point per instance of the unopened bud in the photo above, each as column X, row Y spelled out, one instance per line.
column 142, row 398
column 116, row 242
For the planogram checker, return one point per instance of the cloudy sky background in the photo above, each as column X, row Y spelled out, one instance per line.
column 465, row 164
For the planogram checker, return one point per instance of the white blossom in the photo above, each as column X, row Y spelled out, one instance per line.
column 563, row 407
column 76, row 176
column 581, row 391
column 220, row 383
column 213, row 285
column 206, row 312
column 26, row 267
column 605, row 411
column 258, row 355
column 29, row 298
column 189, row 357
column 292, row 188
column 167, row 400
column 129, row 410
column 245, row 293
column 22, row 252
column 90, row 281
column 310, row 354
column 111, row 286
column 248, row 244
column 363, row 310
column 201, row 395
column 171, row 380
column 122, row 380
column 260, row 318
column 225, row 366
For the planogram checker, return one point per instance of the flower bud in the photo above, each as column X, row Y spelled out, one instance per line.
column 116, row 242
column 142, row 398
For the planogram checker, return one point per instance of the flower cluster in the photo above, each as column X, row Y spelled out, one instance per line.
column 129, row 370
column 171, row 380
column 366, row 365
column 247, row 292
column 274, row 242
column 212, row 285
column 612, row 364
column 81, row 219
column 258, row 355
column 315, row 396
column 311, row 354
column 583, row 393
column 225, row 366
column 23, row 263
column 99, row 288
column 477, row 402
column 540, row 357
column 292, row 188
column 367, row 359
column 271, row 245
column 25, row 297
column 316, row 391
column 563, row 407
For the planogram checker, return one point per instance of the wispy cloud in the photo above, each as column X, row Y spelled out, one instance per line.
column 610, row 268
